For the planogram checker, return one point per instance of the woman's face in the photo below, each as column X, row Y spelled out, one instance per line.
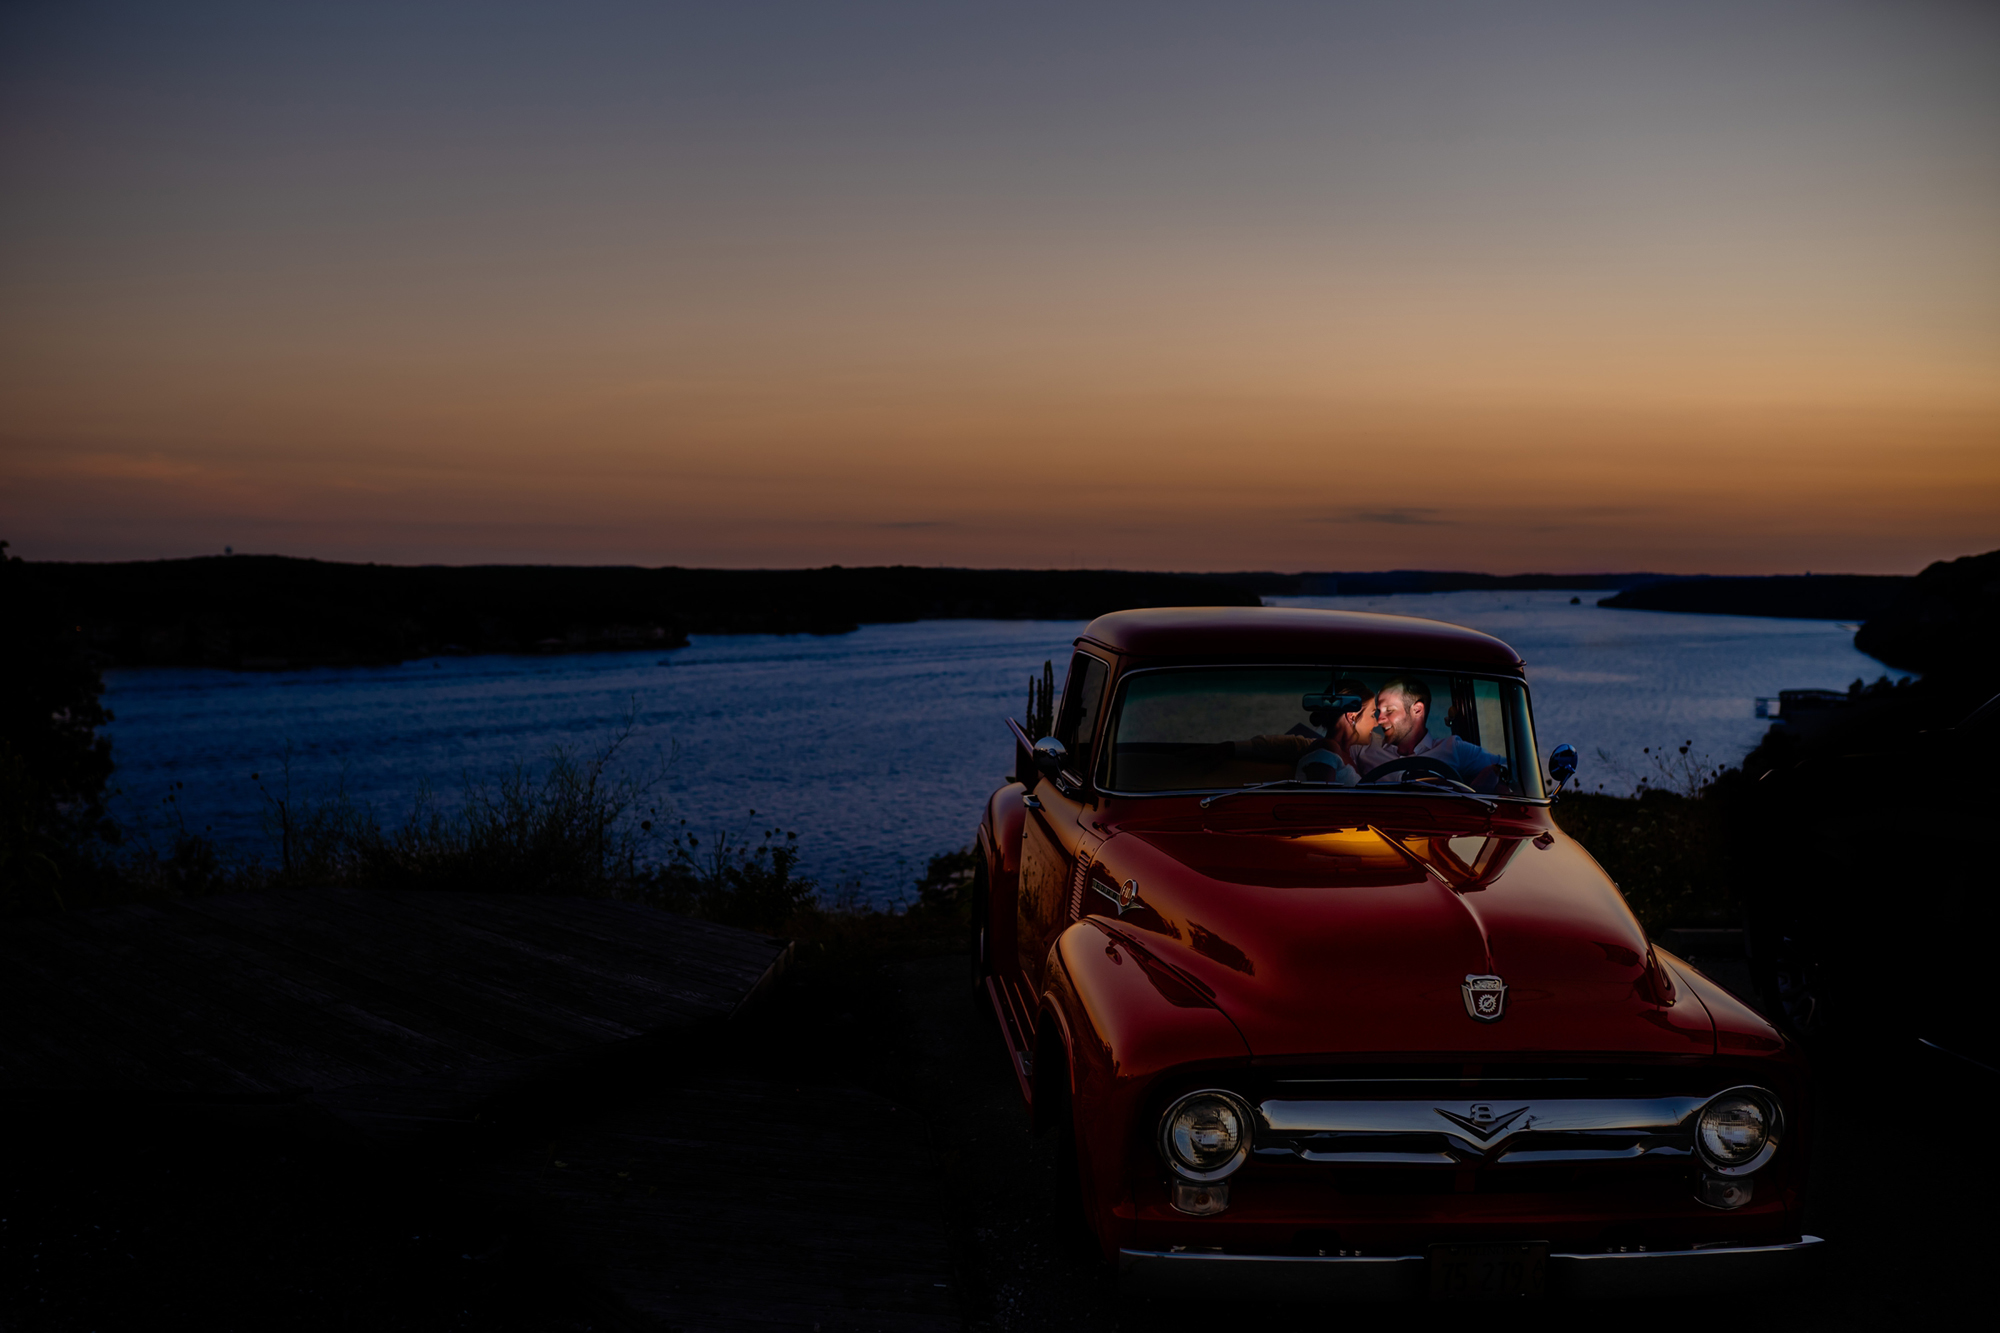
column 1361, row 726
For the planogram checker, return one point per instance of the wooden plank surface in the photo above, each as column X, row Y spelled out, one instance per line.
column 743, row 1203
column 406, row 1000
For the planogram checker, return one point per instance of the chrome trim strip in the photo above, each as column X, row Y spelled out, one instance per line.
column 1271, row 1276
column 1956, row 1055
column 1403, row 1276
column 1524, row 1131
column 1725, row 1268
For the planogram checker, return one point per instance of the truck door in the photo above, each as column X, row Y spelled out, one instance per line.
column 1056, row 845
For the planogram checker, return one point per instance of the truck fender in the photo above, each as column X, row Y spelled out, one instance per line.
column 1000, row 832
column 1126, row 1021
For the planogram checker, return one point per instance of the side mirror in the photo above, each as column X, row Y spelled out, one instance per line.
column 1562, row 764
column 1050, row 755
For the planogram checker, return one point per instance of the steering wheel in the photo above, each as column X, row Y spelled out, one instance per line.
column 1420, row 768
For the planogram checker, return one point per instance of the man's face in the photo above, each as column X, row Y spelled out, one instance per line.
column 1402, row 717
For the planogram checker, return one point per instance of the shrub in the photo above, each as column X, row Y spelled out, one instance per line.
column 1668, row 853
column 53, row 764
column 733, row 881
column 944, row 894
column 569, row 831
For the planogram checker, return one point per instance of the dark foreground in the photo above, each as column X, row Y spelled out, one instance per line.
column 851, row 1155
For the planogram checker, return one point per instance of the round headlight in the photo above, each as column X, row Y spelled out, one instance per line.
column 1738, row 1130
column 1206, row 1135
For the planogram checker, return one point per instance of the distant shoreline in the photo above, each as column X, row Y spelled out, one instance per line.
column 275, row 612
column 263, row 612
column 1851, row 597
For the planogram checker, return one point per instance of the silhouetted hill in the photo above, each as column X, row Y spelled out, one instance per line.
column 1945, row 619
column 1383, row 582
column 273, row 611
column 1793, row 596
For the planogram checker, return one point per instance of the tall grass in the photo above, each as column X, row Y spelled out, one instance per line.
column 572, row 829
column 576, row 826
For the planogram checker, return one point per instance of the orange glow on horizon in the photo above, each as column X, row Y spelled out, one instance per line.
column 1171, row 485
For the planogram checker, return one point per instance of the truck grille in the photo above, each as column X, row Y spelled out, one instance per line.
column 1509, row 1120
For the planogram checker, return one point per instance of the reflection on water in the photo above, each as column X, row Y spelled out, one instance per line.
column 877, row 746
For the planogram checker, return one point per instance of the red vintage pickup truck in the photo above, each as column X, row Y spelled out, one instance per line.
column 1321, row 1003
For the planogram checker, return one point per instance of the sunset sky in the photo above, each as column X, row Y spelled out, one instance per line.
column 1492, row 286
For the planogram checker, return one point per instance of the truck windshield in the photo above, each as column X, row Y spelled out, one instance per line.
column 1210, row 728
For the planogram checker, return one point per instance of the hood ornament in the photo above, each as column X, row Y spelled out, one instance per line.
column 1485, row 998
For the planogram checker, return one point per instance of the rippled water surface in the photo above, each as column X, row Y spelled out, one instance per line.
column 878, row 746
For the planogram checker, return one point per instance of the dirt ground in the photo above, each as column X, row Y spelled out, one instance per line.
column 124, row 1219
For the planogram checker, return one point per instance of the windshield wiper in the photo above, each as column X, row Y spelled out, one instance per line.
column 1410, row 789
column 1425, row 789
column 1211, row 799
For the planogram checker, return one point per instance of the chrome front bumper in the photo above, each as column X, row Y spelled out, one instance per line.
column 1404, row 1277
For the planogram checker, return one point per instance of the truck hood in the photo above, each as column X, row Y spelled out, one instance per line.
column 1347, row 941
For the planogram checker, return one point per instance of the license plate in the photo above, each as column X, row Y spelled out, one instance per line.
column 1487, row 1272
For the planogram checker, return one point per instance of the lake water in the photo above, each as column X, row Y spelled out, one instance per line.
column 877, row 747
